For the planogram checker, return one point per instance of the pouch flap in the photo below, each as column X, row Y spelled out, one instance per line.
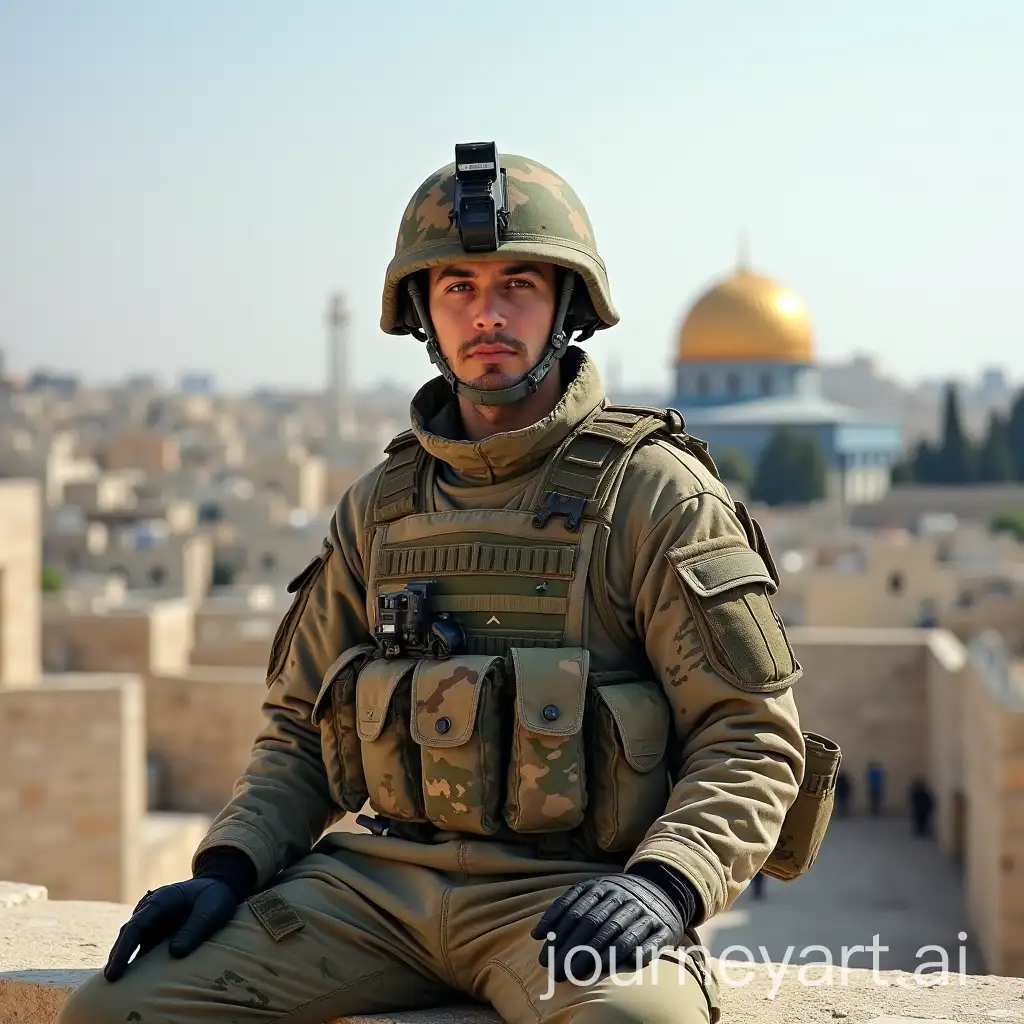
column 821, row 764
column 445, row 695
column 708, row 573
column 643, row 718
column 551, row 688
column 346, row 659
column 374, row 688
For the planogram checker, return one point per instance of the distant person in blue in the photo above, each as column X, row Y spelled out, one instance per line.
column 876, row 788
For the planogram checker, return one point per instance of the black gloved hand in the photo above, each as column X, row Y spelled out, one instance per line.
column 624, row 918
column 189, row 912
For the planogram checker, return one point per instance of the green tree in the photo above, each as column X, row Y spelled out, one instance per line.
column 902, row 472
column 996, row 463
column 734, row 466
column 1008, row 521
column 223, row 575
column 1015, row 434
column 52, row 581
column 955, row 462
column 792, row 470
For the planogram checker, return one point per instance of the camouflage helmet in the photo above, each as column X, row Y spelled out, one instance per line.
column 546, row 223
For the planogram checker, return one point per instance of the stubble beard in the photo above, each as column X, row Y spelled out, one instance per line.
column 494, row 378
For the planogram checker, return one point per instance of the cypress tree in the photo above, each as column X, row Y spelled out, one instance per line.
column 1015, row 434
column 956, row 457
column 995, row 458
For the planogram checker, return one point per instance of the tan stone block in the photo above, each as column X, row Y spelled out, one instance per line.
column 92, row 826
column 32, row 796
column 1013, row 773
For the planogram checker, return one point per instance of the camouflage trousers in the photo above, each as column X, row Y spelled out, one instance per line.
column 390, row 925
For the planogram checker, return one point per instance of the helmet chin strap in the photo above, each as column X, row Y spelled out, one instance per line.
column 553, row 351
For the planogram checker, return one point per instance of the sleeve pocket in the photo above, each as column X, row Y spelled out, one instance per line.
column 301, row 586
column 727, row 591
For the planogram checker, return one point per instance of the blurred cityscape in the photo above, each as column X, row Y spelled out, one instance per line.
column 147, row 534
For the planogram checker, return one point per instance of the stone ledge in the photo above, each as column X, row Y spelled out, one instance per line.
column 49, row 948
column 14, row 894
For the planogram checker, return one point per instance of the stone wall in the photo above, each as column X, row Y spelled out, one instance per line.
column 72, row 786
column 993, row 761
column 201, row 725
column 20, row 581
column 148, row 637
column 867, row 689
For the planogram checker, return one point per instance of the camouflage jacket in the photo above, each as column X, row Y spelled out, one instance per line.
column 739, row 748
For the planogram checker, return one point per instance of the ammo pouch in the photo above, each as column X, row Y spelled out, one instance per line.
column 457, row 726
column 629, row 784
column 804, row 827
column 335, row 712
column 547, row 778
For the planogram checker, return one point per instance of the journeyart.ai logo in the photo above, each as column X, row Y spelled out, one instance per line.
column 737, row 966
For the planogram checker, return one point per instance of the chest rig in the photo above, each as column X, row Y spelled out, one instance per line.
column 513, row 579
column 510, row 735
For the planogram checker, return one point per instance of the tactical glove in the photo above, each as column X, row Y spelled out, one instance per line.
column 625, row 919
column 187, row 912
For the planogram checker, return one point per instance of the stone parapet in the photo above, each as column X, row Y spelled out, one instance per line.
column 49, row 948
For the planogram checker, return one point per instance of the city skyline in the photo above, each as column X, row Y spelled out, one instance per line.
column 186, row 185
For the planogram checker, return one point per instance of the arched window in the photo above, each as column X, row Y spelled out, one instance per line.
column 767, row 384
column 732, row 383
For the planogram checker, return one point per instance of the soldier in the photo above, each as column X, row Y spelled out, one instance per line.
column 538, row 639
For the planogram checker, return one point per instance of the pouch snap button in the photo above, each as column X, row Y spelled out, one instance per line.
column 551, row 712
column 443, row 724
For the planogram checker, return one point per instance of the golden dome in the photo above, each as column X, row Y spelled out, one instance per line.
column 747, row 318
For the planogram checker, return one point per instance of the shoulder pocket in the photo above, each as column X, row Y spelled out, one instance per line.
column 301, row 586
column 457, row 724
column 546, row 773
column 334, row 712
column 727, row 590
column 628, row 739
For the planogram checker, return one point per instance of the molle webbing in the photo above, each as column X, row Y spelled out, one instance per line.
column 424, row 560
column 399, row 490
column 587, row 466
column 590, row 462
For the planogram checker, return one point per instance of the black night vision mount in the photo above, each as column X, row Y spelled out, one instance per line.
column 480, row 210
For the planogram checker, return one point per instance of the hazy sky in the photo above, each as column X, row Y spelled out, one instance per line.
column 182, row 184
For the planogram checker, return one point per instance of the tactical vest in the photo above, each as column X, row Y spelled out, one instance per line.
column 515, row 736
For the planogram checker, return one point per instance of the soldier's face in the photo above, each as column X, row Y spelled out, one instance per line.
column 492, row 319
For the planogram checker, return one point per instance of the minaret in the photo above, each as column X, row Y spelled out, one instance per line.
column 337, row 368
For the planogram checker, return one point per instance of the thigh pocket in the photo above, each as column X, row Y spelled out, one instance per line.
column 390, row 758
column 335, row 713
column 457, row 724
column 547, row 772
column 629, row 782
